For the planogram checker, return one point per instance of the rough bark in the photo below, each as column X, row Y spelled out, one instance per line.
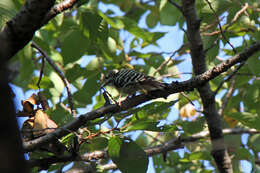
column 13, row 37
column 20, row 30
column 11, row 151
column 219, row 151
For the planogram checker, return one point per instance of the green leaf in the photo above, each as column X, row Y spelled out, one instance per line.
column 44, row 83
column 243, row 154
column 93, row 25
column 143, row 140
column 84, row 96
column 75, row 72
column 129, row 157
column 254, row 64
column 213, row 51
column 42, row 43
column 155, row 109
column 55, row 167
column 60, row 115
column 150, row 126
column 7, row 11
column 171, row 165
column 169, row 15
column 246, row 119
column 192, row 127
column 154, row 60
column 98, row 143
column 144, row 125
column 147, row 37
column 200, row 155
column 111, row 44
column 125, row 5
column 115, row 22
column 58, row 19
column 74, row 46
column 114, row 146
column 95, row 64
column 183, row 101
column 132, row 27
column 254, row 141
column 55, row 56
column 233, row 142
column 57, row 82
column 27, row 67
column 152, row 18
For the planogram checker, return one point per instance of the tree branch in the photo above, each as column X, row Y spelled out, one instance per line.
column 219, row 151
column 175, row 87
column 57, row 9
column 20, row 30
column 173, row 144
column 11, row 151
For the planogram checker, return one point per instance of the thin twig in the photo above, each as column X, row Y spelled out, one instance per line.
column 62, row 76
column 65, row 107
column 209, row 26
column 227, row 97
column 237, row 16
column 230, row 31
column 222, row 33
column 169, row 59
column 229, row 77
column 41, row 73
column 176, row 5
column 109, row 166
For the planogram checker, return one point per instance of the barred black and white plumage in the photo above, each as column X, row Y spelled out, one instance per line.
column 129, row 81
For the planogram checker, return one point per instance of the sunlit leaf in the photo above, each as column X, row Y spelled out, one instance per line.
column 44, row 83
column 57, row 81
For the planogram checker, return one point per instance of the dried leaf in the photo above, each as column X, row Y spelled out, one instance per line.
column 42, row 123
column 230, row 121
column 29, row 103
column 187, row 110
column 27, row 129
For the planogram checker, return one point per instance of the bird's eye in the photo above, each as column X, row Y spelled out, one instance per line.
column 106, row 77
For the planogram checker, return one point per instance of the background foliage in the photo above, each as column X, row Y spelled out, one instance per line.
column 97, row 36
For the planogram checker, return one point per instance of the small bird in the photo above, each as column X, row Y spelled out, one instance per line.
column 129, row 82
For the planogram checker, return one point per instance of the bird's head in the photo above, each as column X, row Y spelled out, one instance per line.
column 109, row 77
